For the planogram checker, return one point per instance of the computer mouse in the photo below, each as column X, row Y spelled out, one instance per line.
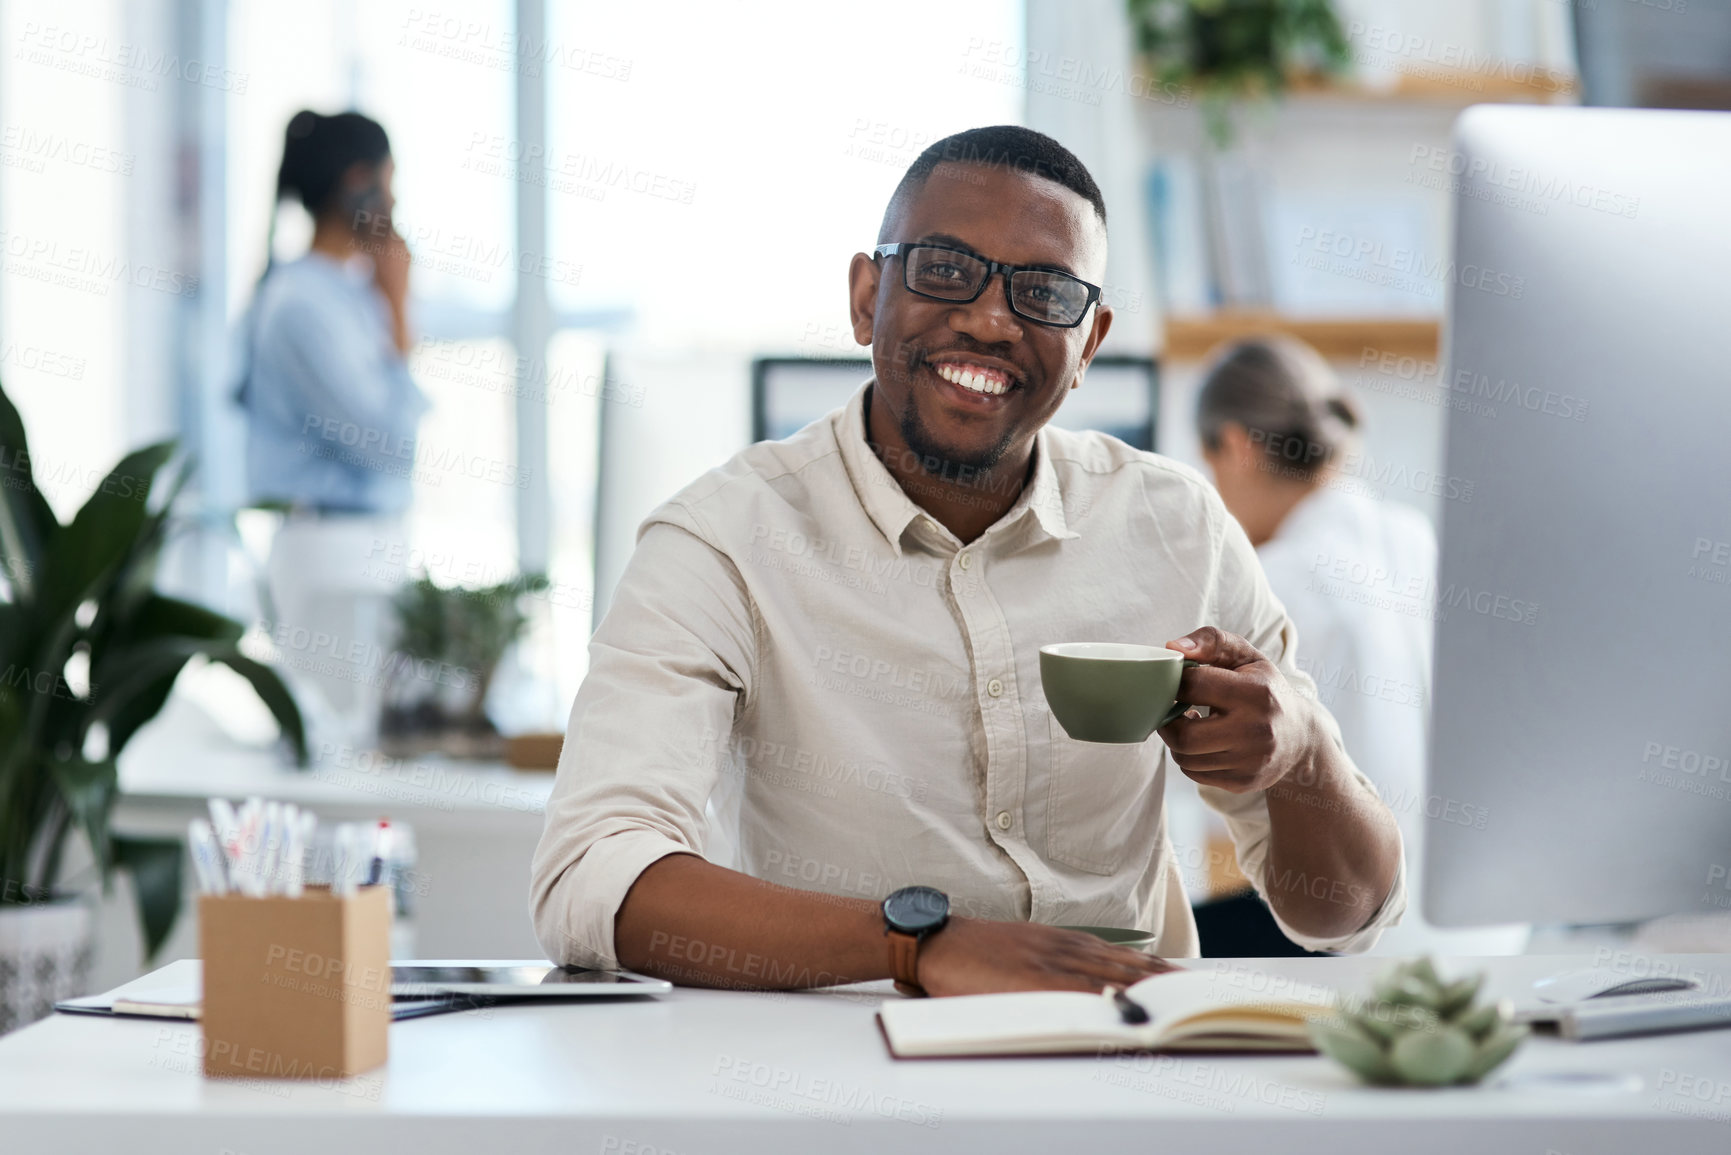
column 1578, row 986
column 1651, row 986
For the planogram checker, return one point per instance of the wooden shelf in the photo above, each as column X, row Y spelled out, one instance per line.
column 1437, row 84
column 1337, row 338
column 1432, row 85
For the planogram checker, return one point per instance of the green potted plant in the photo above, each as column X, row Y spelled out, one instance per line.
column 89, row 652
column 1229, row 52
column 1416, row 1030
column 450, row 640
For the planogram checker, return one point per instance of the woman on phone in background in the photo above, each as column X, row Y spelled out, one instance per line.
column 332, row 415
column 1274, row 421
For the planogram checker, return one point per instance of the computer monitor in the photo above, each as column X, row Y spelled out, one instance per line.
column 1580, row 764
column 1119, row 395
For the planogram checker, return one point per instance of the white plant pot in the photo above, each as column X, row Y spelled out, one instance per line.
column 45, row 952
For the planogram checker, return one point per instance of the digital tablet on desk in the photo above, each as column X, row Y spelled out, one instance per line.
column 418, row 987
column 184, row 1003
column 515, row 979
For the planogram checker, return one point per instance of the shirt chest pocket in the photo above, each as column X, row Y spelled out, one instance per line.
column 1103, row 801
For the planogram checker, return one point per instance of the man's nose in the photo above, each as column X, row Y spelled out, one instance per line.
column 988, row 317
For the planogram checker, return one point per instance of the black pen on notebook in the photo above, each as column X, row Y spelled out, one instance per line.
column 1131, row 1011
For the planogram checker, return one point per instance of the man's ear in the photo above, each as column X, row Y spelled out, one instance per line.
column 862, row 296
column 1096, row 334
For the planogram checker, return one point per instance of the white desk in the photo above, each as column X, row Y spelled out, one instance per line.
column 682, row 1075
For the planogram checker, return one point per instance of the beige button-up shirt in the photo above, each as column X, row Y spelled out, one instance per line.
column 802, row 665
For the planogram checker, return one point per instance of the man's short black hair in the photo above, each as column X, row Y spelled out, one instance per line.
column 1005, row 145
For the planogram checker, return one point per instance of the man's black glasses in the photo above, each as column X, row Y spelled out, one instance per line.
column 1044, row 296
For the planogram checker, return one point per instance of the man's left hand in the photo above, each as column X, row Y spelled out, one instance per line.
column 1258, row 729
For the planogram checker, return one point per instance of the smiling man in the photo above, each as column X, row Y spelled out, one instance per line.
column 825, row 654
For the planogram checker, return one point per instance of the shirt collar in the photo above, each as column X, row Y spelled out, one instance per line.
column 1045, row 497
column 892, row 511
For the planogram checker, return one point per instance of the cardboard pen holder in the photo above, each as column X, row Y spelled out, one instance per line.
column 296, row 987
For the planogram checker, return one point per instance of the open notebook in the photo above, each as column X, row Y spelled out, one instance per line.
column 1187, row 1010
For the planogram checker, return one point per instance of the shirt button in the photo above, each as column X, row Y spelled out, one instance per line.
column 965, row 560
column 1004, row 820
column 995, row 688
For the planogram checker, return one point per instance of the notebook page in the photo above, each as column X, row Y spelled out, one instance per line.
column 984, row 1023
column 1180, row 995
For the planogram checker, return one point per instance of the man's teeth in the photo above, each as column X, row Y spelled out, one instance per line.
column 977, row 380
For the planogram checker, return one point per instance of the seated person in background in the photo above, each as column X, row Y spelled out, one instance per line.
column 1275, row 422
column 830, row 646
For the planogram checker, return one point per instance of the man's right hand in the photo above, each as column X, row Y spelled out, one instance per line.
column 704, row 925
column 975, row 956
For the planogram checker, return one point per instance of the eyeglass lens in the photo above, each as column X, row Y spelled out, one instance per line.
column 1038, row 294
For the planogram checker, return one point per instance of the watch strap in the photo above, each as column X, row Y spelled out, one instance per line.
column 905, row 959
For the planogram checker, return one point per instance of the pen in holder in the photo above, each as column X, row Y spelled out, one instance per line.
column 296, row 987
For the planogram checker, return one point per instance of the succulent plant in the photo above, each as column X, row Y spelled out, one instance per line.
column 1417, row 1030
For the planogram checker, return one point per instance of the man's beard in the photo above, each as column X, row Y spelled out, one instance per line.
column 939, row 460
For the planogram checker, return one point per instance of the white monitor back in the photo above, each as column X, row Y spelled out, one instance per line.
column 1582, row 696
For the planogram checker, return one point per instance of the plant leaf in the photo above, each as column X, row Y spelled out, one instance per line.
column 139, row 671
column 154, row 864
column 1479, row 1022
column 88, row 788
column 134, row 579
column 1493, row 1050
column 26, row 519
column 131, row 715
column 1432, row 1058
column 86, row 551
column 1355, row 1051
column 1458, row 995
column 269, row 686
column 143, row 687
column 159, row 616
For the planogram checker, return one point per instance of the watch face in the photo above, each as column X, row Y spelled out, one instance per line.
column 917, row 909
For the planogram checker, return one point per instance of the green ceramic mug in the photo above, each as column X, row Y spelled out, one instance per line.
column 1111, row 691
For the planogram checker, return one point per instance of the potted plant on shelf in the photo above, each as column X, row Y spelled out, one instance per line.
column 89, row 652
column 450, row 641
column 1229, row 54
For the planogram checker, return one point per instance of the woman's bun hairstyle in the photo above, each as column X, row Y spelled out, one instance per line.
column 317, row 150
column 1288, row 398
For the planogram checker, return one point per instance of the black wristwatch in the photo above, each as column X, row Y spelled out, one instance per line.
column 912, row 914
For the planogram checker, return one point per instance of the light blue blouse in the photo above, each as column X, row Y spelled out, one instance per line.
column 331, row 408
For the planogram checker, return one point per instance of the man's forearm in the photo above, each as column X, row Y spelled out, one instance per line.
column 1334, row 848
column 698, row 924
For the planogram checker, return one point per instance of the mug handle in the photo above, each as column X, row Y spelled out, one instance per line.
column 1178, row 708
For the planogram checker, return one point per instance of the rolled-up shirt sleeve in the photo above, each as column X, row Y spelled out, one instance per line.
column 1247, row 606
column 670, row 665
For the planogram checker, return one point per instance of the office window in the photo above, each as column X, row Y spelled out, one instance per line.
column 684, row 136
column 577, row 387
column 67, row 169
